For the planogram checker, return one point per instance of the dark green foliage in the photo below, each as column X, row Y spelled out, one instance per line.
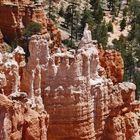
column 134, row 7
column 31, row 29
column 95, row 4
column 87, row 17
column 125, row 11
column 98, row 15
column 61, row 11
column 110, row 27
column 51, row 10
column 100, row 34
column 68, row 16
column 72, row 20
column 69, row 44
column 114, row 6
column 137, row 33
column 123, row 24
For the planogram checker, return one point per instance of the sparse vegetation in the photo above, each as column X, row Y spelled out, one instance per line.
column 31, row 29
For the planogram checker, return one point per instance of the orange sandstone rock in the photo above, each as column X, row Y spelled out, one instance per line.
column 113, row 64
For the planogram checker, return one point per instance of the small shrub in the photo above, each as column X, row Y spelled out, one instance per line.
column 70, row 44
column 31, row 29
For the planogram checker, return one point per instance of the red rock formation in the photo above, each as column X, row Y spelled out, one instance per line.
column 112, row 61
column 82, row 102
column 19, row 16
column 19, row 121
column 55, row 36
column 22, row 117
column 123, row 119
column 89, row 106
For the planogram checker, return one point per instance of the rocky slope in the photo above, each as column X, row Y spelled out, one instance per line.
column 19, row 15
column 65, row 95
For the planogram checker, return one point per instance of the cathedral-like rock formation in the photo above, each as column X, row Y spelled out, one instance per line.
column 76, row 87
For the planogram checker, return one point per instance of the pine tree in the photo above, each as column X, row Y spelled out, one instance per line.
column 100, row 33
column 123, row 24
column 95, row 4
column 110, row 27
column 61, row 11
column 51, row 10
column 87, row 17
column 72, row 18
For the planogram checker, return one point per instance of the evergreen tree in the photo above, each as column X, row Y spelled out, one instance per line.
column 51, row 10
column 110, row 27
column 87, row 17
column 94, row 4
column 72, row 19
column 114, row 6
column 61, row 11
column 123, row 24
column 100, row 33
column 98, row 15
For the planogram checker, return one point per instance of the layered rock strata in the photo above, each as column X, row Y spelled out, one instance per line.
column 80, row 91
column 22, row 117
column 75, row 86
column 19, row 121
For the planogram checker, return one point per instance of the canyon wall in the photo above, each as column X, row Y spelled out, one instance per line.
column 62, row 95
column 19, row 117
column 82, row 99
column 19, row 15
